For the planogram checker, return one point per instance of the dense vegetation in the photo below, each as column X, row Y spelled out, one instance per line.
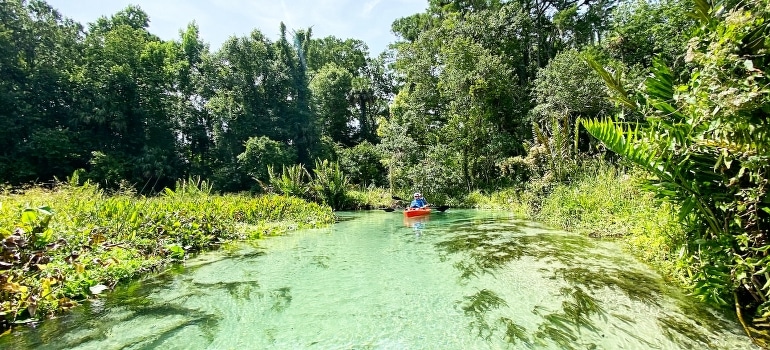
column 63, row 245
column 477, row 99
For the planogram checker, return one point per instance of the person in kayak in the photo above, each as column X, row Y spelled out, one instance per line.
column 418, row 202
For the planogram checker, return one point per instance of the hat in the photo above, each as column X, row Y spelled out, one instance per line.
column 417, row 194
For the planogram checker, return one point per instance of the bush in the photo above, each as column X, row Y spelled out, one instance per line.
column 330, row 184
column 262, row 153
column 362, row 164
column 293, row 181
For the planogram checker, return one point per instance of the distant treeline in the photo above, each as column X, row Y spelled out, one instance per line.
column 127, row 107
column 468, row 87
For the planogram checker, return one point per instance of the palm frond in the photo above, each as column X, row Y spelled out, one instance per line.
column 615, row 83
column 624, row 143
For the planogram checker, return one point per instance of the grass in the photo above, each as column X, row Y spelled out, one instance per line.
column 64, row 245
column 600, row 201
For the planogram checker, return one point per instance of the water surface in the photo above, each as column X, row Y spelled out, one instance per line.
column 458, row 280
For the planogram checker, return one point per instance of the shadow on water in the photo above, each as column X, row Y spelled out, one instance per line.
column 238, row 290
column 281, row 299
column 483, row 247
column 563, row 328
column 638, row 286
column 491, row 245
column 683, row 330
column 477, row 306
column 162, row 323
column 589, row 294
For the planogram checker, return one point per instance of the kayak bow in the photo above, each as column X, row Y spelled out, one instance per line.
column 412, row 212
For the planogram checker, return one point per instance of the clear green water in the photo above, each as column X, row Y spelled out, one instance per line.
column 461, row 280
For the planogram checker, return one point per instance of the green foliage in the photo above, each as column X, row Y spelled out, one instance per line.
column 599, row 201
column 350, row 54
column 706, row 143
column 363, row 164
column 63, row 245
column 330, row 184
column 37, row 126
column 369, row 198
column 190, row 187
column 568, row 86
column 331, row 86
column 262, row 153
column 293, row 181
column 642, row 30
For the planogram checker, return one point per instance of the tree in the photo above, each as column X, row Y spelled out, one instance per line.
column 245, row 85
column 362, row 164
column 262, row 153
column 193, row 121
column 706, row 143
column 127, row 74
column 641, row 30
column 38, row 136
column 565, row 91
column 350, row 54
column 330, row 88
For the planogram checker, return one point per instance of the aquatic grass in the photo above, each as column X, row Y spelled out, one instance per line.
column 63, row 245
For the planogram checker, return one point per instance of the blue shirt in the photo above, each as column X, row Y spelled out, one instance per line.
column 418, row 203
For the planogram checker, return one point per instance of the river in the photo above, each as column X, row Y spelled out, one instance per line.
column 463, row 279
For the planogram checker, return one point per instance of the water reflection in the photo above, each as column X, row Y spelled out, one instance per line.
column 417, row 223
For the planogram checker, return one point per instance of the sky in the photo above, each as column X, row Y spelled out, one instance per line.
column 366, row 20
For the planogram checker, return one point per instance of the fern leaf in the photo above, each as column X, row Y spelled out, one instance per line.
column 623, row 142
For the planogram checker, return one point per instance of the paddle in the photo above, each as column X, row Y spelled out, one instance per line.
column 440, row 208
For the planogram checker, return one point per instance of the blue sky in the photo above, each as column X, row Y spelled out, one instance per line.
column 366, row 20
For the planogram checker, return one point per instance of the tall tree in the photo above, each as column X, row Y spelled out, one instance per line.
column 193, row 122
column 641, row 30
column 38, row 139
column 350, row 54
column 244, row 100
column 126, row 74
column 330, row 87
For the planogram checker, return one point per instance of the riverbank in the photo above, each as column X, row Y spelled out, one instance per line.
column 605, row 201
column 63, row 245
column 600, row 201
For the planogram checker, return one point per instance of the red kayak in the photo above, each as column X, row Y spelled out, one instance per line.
column 412, row 212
